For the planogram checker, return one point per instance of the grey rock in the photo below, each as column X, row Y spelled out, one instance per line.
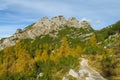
column 42, row 27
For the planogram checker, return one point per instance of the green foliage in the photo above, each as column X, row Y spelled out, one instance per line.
column 107, row 58
column 107, row 65
column 106, row 32
column 90, row 50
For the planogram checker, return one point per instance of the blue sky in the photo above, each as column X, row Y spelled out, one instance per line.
column 20, row 13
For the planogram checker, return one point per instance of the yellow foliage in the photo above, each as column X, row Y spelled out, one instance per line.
column 38, row 55
column 23, row 62
column 53, row 57
column 79, row 49
column 93, row 40
column 44, row 55
column 64, row 49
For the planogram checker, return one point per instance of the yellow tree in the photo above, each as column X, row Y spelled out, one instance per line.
column 64, row 49
column 78, row 50
column 8, row 60
column 44, row 55
column 37, row 55
column 93, row 40
column 23, row 62
column 53, row 57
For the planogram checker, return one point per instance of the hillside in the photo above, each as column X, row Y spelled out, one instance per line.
column 107, row 31
column 43, row 27
column 49, row 48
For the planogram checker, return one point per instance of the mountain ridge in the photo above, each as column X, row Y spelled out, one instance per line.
column 43, row 27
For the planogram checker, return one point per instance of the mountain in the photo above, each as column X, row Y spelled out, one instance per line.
column 42, row 27
column 50, row 49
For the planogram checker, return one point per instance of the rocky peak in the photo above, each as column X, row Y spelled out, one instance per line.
column 84, row 24
column 73, row 22
column 18, row 31
column 43, row 27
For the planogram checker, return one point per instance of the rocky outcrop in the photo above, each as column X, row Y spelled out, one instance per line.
column 7, row 42
column 85, row 73
column 42, row 27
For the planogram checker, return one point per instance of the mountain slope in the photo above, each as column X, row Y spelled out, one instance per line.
column 48, row 49
column 110, row 30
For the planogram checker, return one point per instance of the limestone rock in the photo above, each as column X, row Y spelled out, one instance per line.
column 42, row 27
column 84, row 24
column 86, row 72
column 39, row 75
column 65, row 78
column 18, row 31
column 73, row 22
column 73, row 73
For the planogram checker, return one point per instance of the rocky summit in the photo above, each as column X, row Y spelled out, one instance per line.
column 43, row 27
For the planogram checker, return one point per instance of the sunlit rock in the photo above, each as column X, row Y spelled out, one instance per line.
column 73, row 73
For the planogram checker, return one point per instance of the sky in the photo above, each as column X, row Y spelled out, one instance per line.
column 16, row 14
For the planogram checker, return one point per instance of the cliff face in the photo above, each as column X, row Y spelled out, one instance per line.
column 43, row 27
